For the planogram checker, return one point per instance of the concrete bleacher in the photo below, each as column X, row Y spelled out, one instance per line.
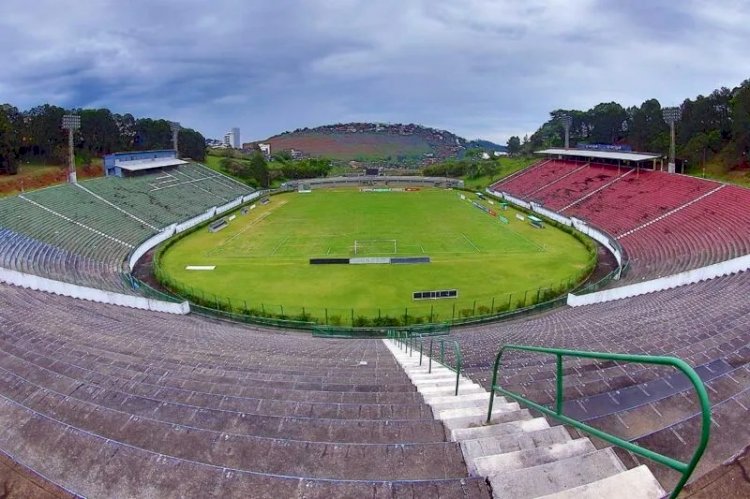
column 577, row 184
column 637, row 199
column 182, row 396
column 536, row 177
column 712, row 229
column 666, row 223
column 706, row 324
column 82, row 234
column 104, row 401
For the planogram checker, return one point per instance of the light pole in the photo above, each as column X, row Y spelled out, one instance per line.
column 71, row 123
column 567, row 122
column 671, row 116
column 175, row 127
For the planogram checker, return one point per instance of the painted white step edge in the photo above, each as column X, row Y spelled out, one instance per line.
column 635, row 483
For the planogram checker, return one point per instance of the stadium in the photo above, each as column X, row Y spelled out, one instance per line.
column 122, row 378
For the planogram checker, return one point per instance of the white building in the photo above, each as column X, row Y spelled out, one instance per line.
column 232, row 138
column 265, row 149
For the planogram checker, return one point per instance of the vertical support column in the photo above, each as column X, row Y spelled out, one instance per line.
column 72, row 177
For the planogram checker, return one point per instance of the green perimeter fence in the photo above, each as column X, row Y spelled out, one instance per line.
column 470, row 311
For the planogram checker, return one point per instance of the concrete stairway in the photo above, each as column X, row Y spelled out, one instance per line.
column 521, row 456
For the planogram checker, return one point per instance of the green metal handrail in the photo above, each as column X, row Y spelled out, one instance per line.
column 407, row 342
column 685, row 468
column 457, row 357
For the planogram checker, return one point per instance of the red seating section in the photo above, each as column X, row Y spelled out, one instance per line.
column 638, row 198
column 695, row 231
column 535, row 177
column 577, row 185
column 710, row 230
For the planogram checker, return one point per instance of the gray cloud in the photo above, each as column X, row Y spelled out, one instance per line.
column 481, row 68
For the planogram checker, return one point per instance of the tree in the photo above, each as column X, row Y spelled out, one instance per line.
column 10, row 144
column 99, row 133
column 701, row 147
column 192, row 144
column 514, row 145
column 45, row 137
column 646, row 124
column 152, row 134
column 606, row 123
column 740, row 106
column 259, row 168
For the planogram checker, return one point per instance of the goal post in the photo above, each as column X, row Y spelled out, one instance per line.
column 375, row 246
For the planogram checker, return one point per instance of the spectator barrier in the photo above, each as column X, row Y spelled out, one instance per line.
column 727, row 267
column 84, row 293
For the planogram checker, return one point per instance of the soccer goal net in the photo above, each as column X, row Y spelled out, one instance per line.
column 375, row 247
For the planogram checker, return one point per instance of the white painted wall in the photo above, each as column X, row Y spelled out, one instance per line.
column 683, row 278
column 149, row 243
column 175, row 229
column 83, row 293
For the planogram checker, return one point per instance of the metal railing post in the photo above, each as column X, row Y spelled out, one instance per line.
column 459, row 362
column 429, row 369
column 559, row 396
column 421, row 346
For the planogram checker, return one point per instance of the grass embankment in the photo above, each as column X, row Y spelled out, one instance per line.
column 508, row 166
column 32, row 176
column 262, row 258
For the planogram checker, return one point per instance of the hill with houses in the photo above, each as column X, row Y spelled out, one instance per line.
column 375, row 143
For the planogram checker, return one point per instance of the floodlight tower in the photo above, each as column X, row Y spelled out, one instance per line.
column 71, row 123
column 671, row 116
column 175, row 127
column 567, row 122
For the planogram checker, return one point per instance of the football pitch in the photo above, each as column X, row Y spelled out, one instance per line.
column 261, row 260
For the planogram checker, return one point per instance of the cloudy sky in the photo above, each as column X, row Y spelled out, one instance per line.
column 481, row 68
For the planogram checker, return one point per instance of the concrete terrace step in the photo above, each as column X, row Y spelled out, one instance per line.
column 458, row 402
column 489, row 446
column 637, row 482
column 528, row 458
column 462, row 412
column 475, row 421
column 500, row 429
column 439, row 399
column 556, row 476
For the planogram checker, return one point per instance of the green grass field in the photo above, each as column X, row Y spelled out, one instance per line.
column 262, row 258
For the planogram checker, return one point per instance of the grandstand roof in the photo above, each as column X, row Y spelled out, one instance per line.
column 589, row 153
column 147, row 164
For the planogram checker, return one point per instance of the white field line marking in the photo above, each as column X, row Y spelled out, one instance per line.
column 471, row 243
column 280, row 245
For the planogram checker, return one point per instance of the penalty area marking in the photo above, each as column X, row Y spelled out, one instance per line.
column 200, row 267
column 470, row 242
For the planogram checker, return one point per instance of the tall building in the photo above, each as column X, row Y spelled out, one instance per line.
column 232, row 138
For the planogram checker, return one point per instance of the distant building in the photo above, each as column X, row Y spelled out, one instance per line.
column 265, row 149
column 232, row 138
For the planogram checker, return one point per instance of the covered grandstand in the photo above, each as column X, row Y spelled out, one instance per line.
column 612, row 157
column 124, row 164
